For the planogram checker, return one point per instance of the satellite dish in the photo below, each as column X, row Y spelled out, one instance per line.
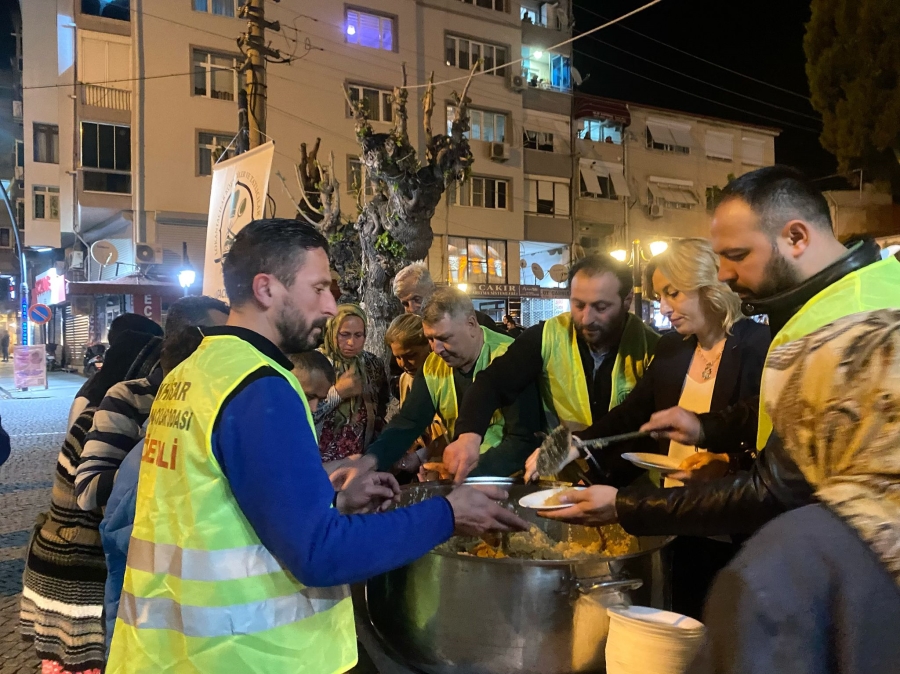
column 559, row 272
column 522, row 263
column 537, row 271
column 577, row 76
column 104, row 252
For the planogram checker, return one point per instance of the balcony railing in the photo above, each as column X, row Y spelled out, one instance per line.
column 105, row 97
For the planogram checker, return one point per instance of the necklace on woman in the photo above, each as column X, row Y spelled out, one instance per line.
column 707, row 372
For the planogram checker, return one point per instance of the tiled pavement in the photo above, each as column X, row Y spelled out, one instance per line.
column 36, row 423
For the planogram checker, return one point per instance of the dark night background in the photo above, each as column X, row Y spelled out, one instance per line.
column 759, row 38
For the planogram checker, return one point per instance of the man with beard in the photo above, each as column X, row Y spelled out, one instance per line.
column 585, row 362
column 241, row 551
column 772, row 230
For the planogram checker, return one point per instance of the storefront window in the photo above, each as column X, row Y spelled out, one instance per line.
column 472, row 260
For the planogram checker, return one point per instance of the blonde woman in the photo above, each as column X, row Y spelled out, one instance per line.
column 711, row 361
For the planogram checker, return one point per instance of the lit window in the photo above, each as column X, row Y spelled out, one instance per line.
column 370, row 30
column 537, row 140
column 483, row 125
column 479, row 192
column 377, row 101
column 210, row 149
column 106, row 157
column 464, row 53
column 472, row 260
column 496, row 5
column 219, row 7
column 560, row 72
column 46, row 202
column 601, row 131
column 215, row 75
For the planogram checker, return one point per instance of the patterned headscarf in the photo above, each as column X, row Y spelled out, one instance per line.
column 834, row 398
column 342, row 364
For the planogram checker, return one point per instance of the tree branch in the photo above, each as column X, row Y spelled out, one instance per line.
column 401, row 118
column 428, row 109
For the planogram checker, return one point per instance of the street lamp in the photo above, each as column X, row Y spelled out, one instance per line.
column 634, row 261
column 187, row 275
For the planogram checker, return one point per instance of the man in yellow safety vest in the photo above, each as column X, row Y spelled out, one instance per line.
column 241, row 551
column 773, row 232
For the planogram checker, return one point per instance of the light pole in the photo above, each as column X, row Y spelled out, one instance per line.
column 24, row 286
column 187, row 275
column 634, row 261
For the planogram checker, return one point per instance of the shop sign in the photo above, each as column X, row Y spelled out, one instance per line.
column 30, row 366
column 515, row 290
column 49, row 288
column 149, row 306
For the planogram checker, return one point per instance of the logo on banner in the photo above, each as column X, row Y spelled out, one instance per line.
column 234, row 213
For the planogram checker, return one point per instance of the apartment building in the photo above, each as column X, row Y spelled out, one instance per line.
column 126, row 109
column 652, row 174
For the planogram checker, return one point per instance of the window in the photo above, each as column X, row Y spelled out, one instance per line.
column 46, row 202
column 476, row 260
column 215, row 75
column 480, row 192
column 377, row 101
column 110, row 9
column 679, row 196
column 669, row 136
column 496, row 5
column 46, row 143
column 20, row 154
column 602, row 180
column 601, row 131
column 5, row 237
column 464, row 53
column 537, row 140
column 546, row 197
column 20, row 213
column 719, row 146
column 370, row 30
column 753, row 151
column 356, row 170
column 483, row 125
column 107, row 149
column 210, row 148
column 220, row 7
column 529, row 16
column 560, row 72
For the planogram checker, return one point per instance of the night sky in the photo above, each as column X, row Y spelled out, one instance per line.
column 759, row 38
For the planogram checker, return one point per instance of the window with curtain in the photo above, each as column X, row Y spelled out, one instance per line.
column 475, row 260
column 215, row 75
column 210, row 147
column 377, row 101
column 483, row 124
column 481, row 192
column 46, row 143
column 369, row 30
column 464, row 53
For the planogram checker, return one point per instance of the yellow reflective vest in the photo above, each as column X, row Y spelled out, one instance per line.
column 439, row 378
column 202, row 593
column 875, row 286
column 564, row 389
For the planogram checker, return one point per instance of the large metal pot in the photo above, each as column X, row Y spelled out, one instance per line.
column 447, row 613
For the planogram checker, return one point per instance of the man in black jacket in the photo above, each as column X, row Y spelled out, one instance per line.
column 773, row 233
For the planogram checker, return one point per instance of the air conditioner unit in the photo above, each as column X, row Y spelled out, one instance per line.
column 144, row 253
column 20, row 172
column 75, row 260
column 499, row 151
column 657, row 211
column 517, row 83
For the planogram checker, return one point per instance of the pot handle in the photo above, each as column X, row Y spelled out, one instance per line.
column 588, row 585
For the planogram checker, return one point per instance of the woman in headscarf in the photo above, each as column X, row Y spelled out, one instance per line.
column 350, row 425
column 817, row 590
column 65, row 569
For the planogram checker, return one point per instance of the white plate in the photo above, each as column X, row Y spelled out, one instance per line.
column 660, row 462
column 539, row 498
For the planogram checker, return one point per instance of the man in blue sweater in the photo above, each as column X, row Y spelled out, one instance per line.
column 247, row 458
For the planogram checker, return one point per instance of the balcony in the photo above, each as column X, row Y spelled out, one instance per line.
column 106, row 97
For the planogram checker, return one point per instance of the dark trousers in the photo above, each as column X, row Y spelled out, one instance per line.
column 5, row 352
column 695, row 563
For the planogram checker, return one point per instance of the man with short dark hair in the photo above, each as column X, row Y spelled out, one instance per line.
column 772, row 231
column 241, row 551
column 584, row 361
column 316, row 376
column 121, row 415
column 462, row 350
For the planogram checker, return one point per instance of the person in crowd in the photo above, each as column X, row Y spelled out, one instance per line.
column 4, row 345
column 315, row 374
column 712, row 360
column 349, row 427
column 5, row 447
column 773, row 233
column 585, row 361
column 119, row 326
column 119, row 420
column 228, row 452
column 65, row 570
column 410, row 348
column 462, row 351
column 513, row 329
column 413, row 286
column 817, row 589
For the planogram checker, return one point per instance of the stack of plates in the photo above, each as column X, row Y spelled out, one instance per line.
column 644, row 640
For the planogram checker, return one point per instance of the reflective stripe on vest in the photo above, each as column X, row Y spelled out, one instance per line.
column 564, row 391
column 201, row 591
column 875, row 286
column 439, row 378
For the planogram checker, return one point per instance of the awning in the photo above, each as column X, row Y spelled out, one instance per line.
column 719, row 145
column 673, row 194
column 670, row 133
column 591, row 171
column 601, row 108
column 132, row 284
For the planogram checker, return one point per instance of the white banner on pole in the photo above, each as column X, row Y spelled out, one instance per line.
column 239, row 188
